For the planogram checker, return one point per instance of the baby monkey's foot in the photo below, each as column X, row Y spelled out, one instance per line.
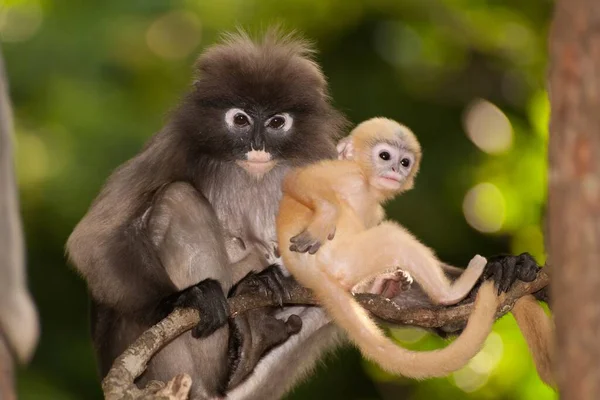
column 309, row 240
column 270, row 283
column 387, row 284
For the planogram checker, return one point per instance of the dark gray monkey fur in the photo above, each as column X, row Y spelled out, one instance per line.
column 183, row 212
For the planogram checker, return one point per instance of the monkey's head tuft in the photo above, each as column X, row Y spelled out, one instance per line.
column 387, row 151
column 259, row 103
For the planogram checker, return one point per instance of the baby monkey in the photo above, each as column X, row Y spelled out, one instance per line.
column 343, row 199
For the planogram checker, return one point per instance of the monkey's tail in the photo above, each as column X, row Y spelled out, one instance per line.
column 374, row 345
column 538, row 330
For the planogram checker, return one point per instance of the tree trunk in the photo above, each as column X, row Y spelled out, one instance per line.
column 574, row 195
column 7, row 391
column 19, row 328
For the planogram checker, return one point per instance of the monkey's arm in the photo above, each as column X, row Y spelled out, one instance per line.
column 136, row 261
column 314, row 185
column 315, row 188
column 110, row 247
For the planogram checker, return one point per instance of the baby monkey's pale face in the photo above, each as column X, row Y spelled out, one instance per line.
column 392, row 165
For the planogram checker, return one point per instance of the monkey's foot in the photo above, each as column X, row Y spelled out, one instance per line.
column 209, row 299
column 253, row 335
column 307, row 241
column 269, row 282
column 388, row 284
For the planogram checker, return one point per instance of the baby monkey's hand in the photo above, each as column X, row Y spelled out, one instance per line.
column 312, row 238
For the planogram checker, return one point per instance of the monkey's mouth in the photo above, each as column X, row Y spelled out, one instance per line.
column 257, row 162
column 391, row 181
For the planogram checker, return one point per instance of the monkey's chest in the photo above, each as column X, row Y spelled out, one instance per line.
column 249, row 229
column 246, row 210
column 364, row 210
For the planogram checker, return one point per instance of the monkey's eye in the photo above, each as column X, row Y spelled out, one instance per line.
column 405, row 162
column 276, row 122
column 384, row 155
column 241, row 119
column 280, row 122
column 237, row 118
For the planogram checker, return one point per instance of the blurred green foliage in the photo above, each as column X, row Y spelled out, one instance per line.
column 91, row 80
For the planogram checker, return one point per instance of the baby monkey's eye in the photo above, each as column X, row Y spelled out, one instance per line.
column 405, row 162
column 384, row 155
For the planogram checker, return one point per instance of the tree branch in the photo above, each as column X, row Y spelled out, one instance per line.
column 118, row 384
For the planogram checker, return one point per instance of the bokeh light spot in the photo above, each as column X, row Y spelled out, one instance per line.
column 468, row 380
column 487, row 127
column 20, row 21
column 397, row 43
column 32, row 157
column 407, row 334
column 476, row 373
column 539, row 113
column 484, row 207
column 174, row 35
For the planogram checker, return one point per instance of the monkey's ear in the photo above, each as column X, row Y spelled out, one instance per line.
column 345, row 149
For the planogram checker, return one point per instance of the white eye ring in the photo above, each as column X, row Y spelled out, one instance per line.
column 230, row 117
column 384, row 147
column 287, row 124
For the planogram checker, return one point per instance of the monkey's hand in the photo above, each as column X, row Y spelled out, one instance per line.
column 503, row 270
column 209, row 299
column 269, row 283
column 313, row 237
column 388, row 284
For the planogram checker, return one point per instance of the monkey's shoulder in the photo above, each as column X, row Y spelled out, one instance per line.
column 332, row 170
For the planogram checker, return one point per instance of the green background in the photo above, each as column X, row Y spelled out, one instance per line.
column 92, row 80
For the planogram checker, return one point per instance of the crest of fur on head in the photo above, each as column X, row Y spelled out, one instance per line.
column 275, row 54
column 363, row 139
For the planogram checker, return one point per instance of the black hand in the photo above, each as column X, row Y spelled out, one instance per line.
column 209, row 299
column 270, row 283
column 504, row 270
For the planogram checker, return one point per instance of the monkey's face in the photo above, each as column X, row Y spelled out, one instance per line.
column 259, row 129
column 258, row 106
column 393, row 167
column 254, row 130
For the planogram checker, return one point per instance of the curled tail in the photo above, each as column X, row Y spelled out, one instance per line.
column 374, row 345
column 538, row 330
